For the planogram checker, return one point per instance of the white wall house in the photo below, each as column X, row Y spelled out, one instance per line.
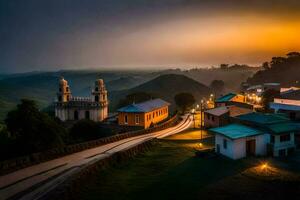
column 238, row 141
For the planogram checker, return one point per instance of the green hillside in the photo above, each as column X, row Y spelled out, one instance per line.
column 165, row 87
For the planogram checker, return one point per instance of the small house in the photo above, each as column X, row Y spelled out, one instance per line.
column 238, row 141
column 230, row 97
column 144, row 114
column 220, row 116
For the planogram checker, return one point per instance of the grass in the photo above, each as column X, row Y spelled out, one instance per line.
column 171, row 171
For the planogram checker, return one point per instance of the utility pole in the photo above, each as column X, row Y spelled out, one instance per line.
column 201, row 118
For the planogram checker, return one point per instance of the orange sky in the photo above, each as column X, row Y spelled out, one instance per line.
column 145, row 34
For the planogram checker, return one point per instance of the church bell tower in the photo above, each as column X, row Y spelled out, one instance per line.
column 99, row 95
column 64, row 93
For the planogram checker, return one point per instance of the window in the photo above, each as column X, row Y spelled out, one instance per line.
column 284, row 138
column 137, row 119
column 76, row 115
column 59, row 98
column 60, row 89
column 224, row 143
column 68, row 97
column 96, row 98
column 153, row 115
column 67, row 89
column 96, row 89
column 87, row 114
column 213, row 118
column 125, row 119
column 272, row 139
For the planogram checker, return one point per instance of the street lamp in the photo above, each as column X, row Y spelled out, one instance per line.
column 193, row 113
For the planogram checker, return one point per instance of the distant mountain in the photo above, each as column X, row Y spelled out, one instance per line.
column 232, row 75
column 165, row 87
column 284, row 70
column 42, row 86
column 124, row 83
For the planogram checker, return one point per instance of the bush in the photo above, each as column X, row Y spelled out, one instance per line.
column 86, row 129
column 32, row 130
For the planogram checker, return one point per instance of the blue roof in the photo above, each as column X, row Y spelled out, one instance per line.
column 236, row 131
column 263, row 118
column 225, row 98
column 284, row 127
column 146, row 106
column 278, row 106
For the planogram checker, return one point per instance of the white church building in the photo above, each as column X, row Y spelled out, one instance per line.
column 72, row 108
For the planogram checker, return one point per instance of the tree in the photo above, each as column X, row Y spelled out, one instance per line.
column 293, row 54
column 265, row 66
column 268, row 97
column 184, row 100
column 217, row 86
column 86, row 129
column 224, row 66
column 33, row 130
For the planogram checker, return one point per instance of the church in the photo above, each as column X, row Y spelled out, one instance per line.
column 69, row 108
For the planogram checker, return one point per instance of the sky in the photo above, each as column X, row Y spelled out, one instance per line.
column 144, row 34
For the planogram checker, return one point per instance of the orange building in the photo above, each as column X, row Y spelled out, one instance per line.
column 144, row 114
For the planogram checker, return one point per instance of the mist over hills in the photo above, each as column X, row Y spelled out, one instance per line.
column 42, row 86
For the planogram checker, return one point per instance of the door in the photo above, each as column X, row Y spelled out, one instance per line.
column 218, row 148
column 250, row 147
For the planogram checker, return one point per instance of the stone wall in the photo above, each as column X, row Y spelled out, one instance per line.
column 28, row 160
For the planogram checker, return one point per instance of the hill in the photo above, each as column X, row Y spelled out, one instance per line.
column 232, row 75
column 284, row 70
column 165, row 87
column 42, row 86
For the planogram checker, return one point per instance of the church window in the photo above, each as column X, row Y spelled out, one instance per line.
column 87, row 114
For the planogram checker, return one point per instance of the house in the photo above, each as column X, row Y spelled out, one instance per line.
column 216, row 117
column 256, row 134
column 143, row 114
column 71, row 108
column 230, row 97
column 220, row 116
column 238, row 141
column 280, row 129
column 288, row 102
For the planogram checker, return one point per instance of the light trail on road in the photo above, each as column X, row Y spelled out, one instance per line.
column 45, row 176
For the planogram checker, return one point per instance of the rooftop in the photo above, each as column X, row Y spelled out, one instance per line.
column 293, row 95
column 284, row 127
column 218, row 111
column 146, row 106
column 263, row 118
column 236, row 131
column 225, row 98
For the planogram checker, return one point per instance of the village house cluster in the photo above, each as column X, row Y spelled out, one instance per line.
column 240, row 131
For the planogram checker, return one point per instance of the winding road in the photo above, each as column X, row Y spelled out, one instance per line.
column 35, row 181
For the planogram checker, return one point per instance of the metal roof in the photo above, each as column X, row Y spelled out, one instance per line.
column 225, row 98
column 218, row 111
column 280, row 106
column 284, row 127
column 263, row 118
column 146, row 106
column 236, row 131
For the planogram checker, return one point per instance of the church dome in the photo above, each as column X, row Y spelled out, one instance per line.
column 63, row 81
column 99, row 82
